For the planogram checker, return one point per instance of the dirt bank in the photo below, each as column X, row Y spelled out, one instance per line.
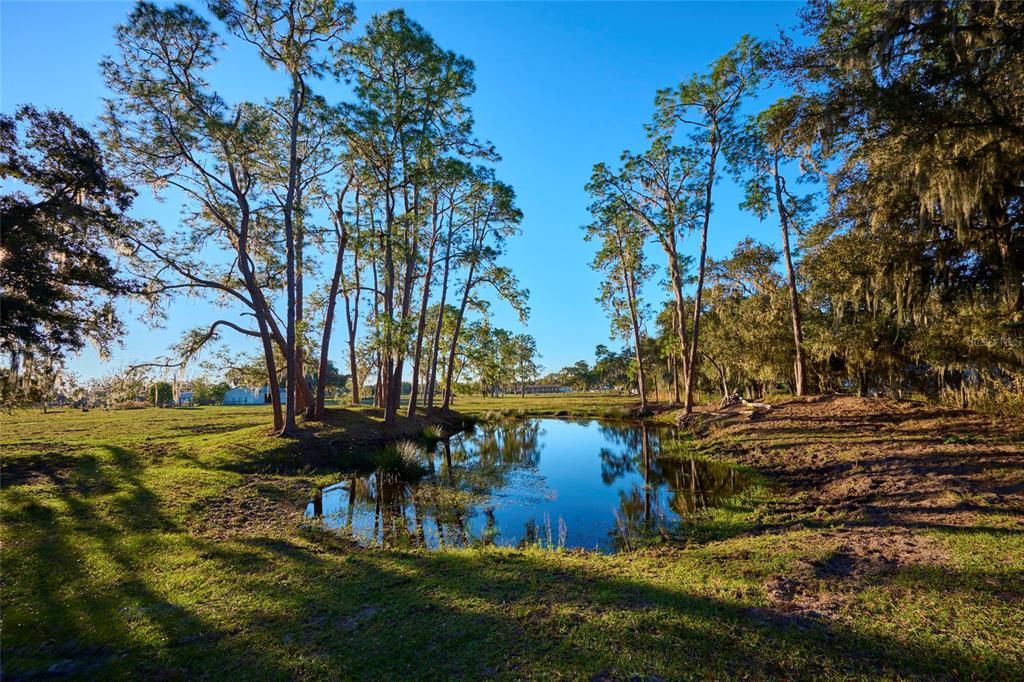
column 873, row 479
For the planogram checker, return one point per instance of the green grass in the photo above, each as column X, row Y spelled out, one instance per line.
column 168, row 543
column 596, row 405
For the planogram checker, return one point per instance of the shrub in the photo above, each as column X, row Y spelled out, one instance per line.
column 130, row 405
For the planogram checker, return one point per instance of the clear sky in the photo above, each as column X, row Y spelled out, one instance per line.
column 560, row 86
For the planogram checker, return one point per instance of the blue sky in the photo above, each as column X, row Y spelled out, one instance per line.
column 560, row 86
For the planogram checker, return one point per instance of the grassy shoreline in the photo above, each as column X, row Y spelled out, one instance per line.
column 170, row 543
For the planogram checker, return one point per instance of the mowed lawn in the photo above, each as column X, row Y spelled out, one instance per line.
column 170, row 544
column 596, row 404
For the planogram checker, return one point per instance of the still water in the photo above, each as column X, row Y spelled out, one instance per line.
column 548, row 482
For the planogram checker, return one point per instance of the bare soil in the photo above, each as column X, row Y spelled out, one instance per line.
column 258, row 507
column 870, row 478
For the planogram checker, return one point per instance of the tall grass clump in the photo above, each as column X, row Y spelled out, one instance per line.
column 543, row 537
column 1003, row 399
column 630, row 536
column 433, row 433
column 403, row 459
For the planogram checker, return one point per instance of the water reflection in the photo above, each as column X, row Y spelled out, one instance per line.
column 597, row 485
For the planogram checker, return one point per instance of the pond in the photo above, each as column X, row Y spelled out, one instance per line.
column 546, row 482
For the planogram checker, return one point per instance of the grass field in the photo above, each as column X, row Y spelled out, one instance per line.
column 169, row 544
column 597, row 405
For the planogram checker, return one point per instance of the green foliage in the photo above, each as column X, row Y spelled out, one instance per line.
column 61, row 234
column 914, row 273
column 498, row 360
column 747, row 342
column 161, row 393
column 613, row 370
column 59, row 272
column 911, row 279
column 579, row 377
column 206, row 392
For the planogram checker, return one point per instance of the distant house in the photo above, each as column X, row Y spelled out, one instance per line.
column 250, row 396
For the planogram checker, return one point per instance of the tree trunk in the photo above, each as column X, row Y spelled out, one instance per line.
column 692, row 363
column 410, row 239
column 435, row 351
column 675, row 379
column 332, row 299
column 641, row 383
column 397, row 362
column 634, row 315
column 302, row 406
column 260, row 311
column 378, row 389
column 353, row 364
column 259, row 303
column 455, row 337
column 297, row 100
column 794, row 302
column 676, row 279
column 304, row 393
column 352, row 314
column 389, row 356
column 421, row 325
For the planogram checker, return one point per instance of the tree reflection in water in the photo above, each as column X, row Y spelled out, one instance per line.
column 490, row 486
column 683, row 484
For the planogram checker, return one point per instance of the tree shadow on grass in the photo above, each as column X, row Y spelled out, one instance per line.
column 319, row 447
column 395, row 615
column 78, row 593
column 338, row 443
column 85, row 597
column 299, row 608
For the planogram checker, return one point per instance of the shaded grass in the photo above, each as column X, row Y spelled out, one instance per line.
column 167, row 543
